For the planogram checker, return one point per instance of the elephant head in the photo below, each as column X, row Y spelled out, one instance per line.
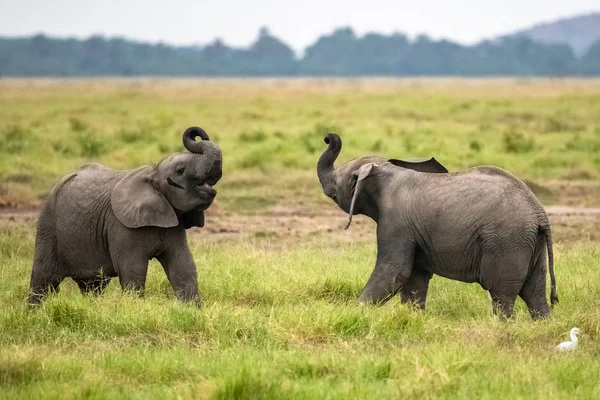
column 345, row 185
column 179, row 188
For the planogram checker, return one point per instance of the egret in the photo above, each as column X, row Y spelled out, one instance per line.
column 572, row 345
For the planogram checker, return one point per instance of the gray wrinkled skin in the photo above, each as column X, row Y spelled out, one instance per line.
column 99, row 223
column 482, row 225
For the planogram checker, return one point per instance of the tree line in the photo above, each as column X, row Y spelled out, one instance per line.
column 341, row 53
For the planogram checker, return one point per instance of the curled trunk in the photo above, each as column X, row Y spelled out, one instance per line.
column 325, row 164
column 189, row 139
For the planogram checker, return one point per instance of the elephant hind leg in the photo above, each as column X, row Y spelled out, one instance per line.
column 535, row 297
column 503, row 304
column 533, row 291
column 41, row 287
column 47, row 273
column 503, row 277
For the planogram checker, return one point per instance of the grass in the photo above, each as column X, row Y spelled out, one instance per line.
column 541, row 130
column 280, row 317
column 285, row 323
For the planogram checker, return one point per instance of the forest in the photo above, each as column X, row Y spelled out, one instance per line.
column 341, row 53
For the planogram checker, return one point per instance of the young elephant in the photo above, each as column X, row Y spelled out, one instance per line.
column 99, row 223
column 482, row 225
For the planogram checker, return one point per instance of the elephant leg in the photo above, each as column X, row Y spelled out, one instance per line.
column 392, row 270
column 533, row 291
column 504, row 276
column 179, row 266
column 41, row 286
column 502, row 304
column 132, row 277
column 129, row 258
column 132, row 267
column 94, row 286
column 415, row 289
column 47, row 273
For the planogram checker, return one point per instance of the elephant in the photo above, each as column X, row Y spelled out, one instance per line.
column 98, row 223
column 480, row 225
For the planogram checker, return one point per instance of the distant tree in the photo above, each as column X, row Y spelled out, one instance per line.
column 270, row 56
column 218, row 59
column 340, row 53
column 590, row 62
column 331, row 55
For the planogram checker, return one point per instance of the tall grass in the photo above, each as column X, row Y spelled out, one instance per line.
column 279, row 323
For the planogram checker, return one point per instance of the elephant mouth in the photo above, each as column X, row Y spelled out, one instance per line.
column 172, row 183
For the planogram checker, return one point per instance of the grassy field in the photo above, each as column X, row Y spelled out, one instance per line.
column 279, row 276
column 271, row 132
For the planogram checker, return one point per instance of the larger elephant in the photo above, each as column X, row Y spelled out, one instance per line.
column 482, row 225
column 99, row 223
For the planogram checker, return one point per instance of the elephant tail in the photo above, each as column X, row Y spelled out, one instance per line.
column 548, row 234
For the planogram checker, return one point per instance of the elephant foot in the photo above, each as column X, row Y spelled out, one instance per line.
column 503, row 305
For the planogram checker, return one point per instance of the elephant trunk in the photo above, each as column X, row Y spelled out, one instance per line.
column 189, row 140
column 325, row 164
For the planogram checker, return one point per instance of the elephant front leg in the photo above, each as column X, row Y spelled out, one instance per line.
column 181, row 270
column 392, row 271
column 415, row 289
column 132, row 267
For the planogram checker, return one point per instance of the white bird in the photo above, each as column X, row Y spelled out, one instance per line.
column 572, row 345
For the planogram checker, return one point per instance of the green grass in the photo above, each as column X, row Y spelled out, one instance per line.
column 281, row 323
column 280, row 317
column 539, row 130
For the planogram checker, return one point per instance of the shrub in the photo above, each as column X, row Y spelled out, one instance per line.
column 516, row 142
column 253, row 137
column 144, row 132
column 15, row 139
column 131, row 136
column 78, row 125
column 321, row 130
column 475, row 146
column 91, row 145
column 554, row 124
column 61, row 147
column 309, row 144
column 578, row 143
column 377, row 146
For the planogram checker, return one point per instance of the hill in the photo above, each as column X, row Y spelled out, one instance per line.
column 579, row 32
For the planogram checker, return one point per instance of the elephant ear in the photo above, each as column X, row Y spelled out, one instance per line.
column 193, row 218
column 136, row 203
column 363, row 172
column 421, row 165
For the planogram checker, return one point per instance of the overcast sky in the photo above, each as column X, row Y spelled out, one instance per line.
column 298, row 23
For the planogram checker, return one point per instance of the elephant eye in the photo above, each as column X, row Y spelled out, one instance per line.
column 180, row 169
column 334, row 198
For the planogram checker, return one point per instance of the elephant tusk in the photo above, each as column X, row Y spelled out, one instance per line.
column 349, row 222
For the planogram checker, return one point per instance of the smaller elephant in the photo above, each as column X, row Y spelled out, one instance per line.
column 99, row 223
column 482, row 225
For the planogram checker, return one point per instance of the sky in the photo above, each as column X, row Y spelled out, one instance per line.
column 298, row 23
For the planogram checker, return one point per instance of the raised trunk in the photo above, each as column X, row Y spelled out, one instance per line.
column 189, row 139
column 325, row 164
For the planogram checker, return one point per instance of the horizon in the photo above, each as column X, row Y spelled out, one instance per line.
column 362, row 19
